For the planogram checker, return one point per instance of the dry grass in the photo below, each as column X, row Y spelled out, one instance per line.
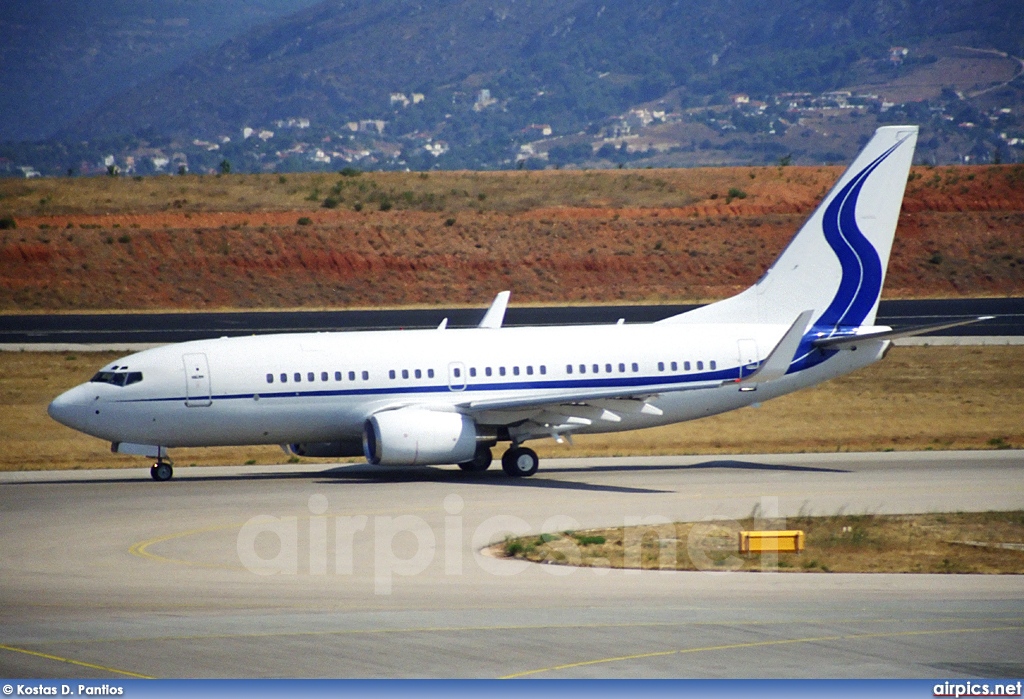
column 459, row 237
column 930, row 543
column 917, row 398
column 436, row 191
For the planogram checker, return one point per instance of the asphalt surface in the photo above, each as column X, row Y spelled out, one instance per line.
column 376, row 572
column 142, row 328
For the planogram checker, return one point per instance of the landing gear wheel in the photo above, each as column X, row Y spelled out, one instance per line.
column 161, row 471
column 481, row 460
column 519, row 462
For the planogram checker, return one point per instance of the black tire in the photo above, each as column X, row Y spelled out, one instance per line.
column 481, row 460
column 520, row 462
column 161, row 472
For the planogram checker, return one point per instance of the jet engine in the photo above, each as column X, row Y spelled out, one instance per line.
column 414, row 436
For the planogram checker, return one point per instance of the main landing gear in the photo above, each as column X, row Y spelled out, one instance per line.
column 519, row 461
column 481, row 461
column 161, row 470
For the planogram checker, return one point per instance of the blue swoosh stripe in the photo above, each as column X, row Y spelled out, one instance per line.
column 861, row 282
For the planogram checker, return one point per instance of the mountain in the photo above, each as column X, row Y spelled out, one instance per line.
column 61, row 59
column 470, row 83
column 561, row 61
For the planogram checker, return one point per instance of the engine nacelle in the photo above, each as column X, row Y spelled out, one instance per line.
column 414, row 436
column 321, row 450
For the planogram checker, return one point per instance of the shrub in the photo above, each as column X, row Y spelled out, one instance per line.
column 330, row 203
column 350, row 172
column 305, row 221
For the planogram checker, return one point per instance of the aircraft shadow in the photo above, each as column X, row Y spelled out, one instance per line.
column 720, row 463
column 364, row 474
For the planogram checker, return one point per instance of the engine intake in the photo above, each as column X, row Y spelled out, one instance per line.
column 414, row 436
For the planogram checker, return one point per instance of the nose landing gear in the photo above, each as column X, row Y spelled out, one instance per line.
column 161, row 470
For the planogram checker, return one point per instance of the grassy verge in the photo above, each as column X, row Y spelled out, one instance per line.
column 930, row 543
column 917, row 398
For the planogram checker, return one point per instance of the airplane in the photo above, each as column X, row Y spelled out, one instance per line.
column 448, row 396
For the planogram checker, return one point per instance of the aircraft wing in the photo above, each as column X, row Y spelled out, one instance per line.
column 560, row 414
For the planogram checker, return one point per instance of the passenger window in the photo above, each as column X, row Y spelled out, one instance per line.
column 311, row 376
column 501, row 371
column 472, row 371
column 607, row 368
column 515, row 370
column 430, row 373
column 298, row 377
column 351, row 376
column 529, row 371
column 457, row 372
column 543, row 369
column 419, row 374
column 487, row 371
column 366, row 376
column 405, row 373
column 622, row 368
column 583, row 368
column 568, row 368
column 596, row 368
column 391, row 374
column 686, row 366
column 674, row 366
column 270, row 378
column 284, row 378
column 661, row 366
column 700, row 366
column 713, row 365
column 636, row 367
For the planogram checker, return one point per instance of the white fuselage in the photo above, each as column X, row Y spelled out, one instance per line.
column 322, row 387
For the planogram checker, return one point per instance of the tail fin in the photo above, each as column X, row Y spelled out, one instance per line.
column 836, row 262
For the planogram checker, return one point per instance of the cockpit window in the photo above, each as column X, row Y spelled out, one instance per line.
column 117, row 378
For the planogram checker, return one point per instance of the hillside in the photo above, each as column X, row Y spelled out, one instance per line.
column 62, row 59
column 563, row 62
column 269, row 241
column 495, row 84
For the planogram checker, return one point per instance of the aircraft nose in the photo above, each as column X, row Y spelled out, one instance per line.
column 69, row 408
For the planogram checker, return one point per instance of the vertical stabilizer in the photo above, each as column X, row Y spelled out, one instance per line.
column 836, row 262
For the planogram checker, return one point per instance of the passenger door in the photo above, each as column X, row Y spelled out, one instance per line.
column 197, row 381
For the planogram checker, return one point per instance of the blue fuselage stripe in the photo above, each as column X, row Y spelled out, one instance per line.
column 668, row 381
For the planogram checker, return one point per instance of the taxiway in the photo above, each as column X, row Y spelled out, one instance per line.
column 352, row 571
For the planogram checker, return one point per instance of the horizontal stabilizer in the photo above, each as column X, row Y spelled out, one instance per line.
column 777, row 363
column 835, row 343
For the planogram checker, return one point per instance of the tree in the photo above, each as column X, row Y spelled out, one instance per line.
column 225, row 166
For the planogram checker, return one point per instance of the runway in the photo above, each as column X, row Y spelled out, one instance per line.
column 356, row 571
column 144, row 329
